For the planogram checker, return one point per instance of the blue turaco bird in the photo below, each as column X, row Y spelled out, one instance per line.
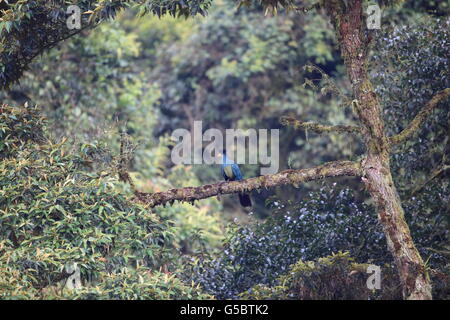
column 231, row 172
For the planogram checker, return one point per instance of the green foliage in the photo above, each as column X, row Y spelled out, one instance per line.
column 229, row 67
column 88, row 115
column 28, row 28
column 139, row 284
column 317, row 44
column 325, row 222
column 243, row 70
column 19, row 127
column 199, row 226
column 433, row 7
column 412, row 65
column 155, row 34
column 53, row 212
column 335, row 277
column 62, row 83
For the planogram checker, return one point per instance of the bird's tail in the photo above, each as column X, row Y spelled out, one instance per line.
column 245, row 200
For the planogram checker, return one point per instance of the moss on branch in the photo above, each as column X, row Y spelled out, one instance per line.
column 319, row 128
column 287, row 177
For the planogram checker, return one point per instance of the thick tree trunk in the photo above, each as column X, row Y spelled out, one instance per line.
column 378, row 180
column 351, row 32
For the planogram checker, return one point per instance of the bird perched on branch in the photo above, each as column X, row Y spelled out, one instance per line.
column 231, row 172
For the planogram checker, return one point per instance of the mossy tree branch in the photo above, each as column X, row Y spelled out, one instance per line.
column 420, row 118
column 287, row 177
column 319, row 128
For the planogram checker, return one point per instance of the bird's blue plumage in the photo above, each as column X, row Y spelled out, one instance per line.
column 235, row 173
column 231, row 172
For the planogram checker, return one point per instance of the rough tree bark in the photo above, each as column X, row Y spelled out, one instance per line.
column 287, row 177
column 354, row 41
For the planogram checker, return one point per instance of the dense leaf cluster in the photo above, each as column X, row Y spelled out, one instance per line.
column 28, row 28
column 335, row 277
column 411, row 66
column 327, row 221
column 139, row 284
column 122, row 98
column 54, row 212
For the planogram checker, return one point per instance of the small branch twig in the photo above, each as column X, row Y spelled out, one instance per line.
column 319, row 128
column 420, row 118
column 433, row 176
column 123, row 162
column 329, row 86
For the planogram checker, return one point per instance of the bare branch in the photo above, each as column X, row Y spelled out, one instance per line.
column 319, row 128
column 124, row 158
column 328, row 86
column 287, row 177
column 420, row 118
column 436, row 173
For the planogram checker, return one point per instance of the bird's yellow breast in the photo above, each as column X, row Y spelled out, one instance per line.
column 229, row 172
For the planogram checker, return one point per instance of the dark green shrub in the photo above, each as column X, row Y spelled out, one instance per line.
column 335, row 277
column 326, row 222
column 412, row 65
